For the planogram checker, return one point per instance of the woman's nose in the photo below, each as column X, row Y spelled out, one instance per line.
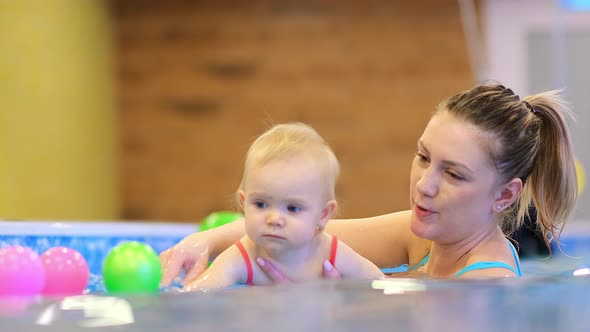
column 427, row 184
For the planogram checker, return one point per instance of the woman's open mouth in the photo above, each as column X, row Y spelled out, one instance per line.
column 422, row 212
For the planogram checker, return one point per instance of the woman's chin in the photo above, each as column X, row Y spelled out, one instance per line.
column 421, row 229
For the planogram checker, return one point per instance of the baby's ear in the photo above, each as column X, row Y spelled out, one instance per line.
column 328, row 212
column 242, row 197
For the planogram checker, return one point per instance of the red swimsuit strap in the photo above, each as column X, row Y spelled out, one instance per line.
column 334, row 250
column 247, row 261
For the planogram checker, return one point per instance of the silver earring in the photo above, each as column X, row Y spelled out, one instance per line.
column 320, row 227
column 498, row 207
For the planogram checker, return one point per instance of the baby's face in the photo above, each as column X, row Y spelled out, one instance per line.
column 284, row 201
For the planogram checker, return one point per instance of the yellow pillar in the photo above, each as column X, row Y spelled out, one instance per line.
column 58, row 134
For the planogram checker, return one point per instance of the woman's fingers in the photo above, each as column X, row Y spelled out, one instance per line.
column 171, row 261
column 272, row 272
column 330, row 271
column 193, row 272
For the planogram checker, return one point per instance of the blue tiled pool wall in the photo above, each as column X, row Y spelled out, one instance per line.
column 572, row 245
column 93, row 248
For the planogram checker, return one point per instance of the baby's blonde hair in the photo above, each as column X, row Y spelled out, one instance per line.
column 283, row 141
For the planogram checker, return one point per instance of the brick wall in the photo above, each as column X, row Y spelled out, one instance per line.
column 199, row 80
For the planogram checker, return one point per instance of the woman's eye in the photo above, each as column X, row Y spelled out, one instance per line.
column 456, row 176
column 421, row 157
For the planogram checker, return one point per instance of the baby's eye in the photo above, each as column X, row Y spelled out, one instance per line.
column 293, row 208
column 260, row 205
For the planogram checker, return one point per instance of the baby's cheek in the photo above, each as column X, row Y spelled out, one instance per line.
column 251, row 229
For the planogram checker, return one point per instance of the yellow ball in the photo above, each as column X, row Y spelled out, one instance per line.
column 581, row 176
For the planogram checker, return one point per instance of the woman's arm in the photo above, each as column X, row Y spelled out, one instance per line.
column 223, row 237
column 225, row 271
column 352, row 265
column 384, row 240
column 193, row 253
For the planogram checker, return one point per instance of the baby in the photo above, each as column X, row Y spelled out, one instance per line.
column 287, row 195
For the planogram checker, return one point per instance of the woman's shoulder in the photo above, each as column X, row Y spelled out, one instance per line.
column 496, row 249
column 494, row 258
column 395, row 224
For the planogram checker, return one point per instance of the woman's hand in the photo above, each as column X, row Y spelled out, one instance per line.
column 330, row 271
column 191, row 255
column 278, row 277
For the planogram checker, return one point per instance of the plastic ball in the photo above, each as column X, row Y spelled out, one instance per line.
column 66, row 271
column 21, row 272
column 132, row 267
column 217, row 219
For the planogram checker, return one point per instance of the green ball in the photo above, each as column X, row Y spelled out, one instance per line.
column 132, row 267
column 217, row 219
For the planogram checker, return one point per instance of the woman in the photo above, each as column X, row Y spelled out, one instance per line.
column 484, row 158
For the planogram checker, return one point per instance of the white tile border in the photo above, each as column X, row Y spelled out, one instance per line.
column 95, row 228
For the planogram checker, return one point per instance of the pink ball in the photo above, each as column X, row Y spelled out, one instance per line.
column 21, row 272
column 66, row 271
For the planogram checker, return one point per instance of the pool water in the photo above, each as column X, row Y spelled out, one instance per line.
column 534, row 304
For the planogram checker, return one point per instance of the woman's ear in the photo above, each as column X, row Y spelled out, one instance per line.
column 328, row 212
column 507, row 195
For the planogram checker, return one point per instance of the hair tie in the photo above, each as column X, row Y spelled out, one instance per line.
column 530, row 108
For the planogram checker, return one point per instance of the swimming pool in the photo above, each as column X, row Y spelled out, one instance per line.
column 92, row 239
column 548, row 299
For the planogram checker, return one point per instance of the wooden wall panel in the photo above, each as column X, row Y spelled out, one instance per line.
column 199, row 80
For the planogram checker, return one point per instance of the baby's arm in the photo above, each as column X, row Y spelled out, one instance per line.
column 352, row 265
column 226, row 270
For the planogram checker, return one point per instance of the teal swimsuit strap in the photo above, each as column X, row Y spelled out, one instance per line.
column 492, row 265
column 516, row 260
column 485, row 265
column 472, row 267
column 404, row 267
column 419, row 265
